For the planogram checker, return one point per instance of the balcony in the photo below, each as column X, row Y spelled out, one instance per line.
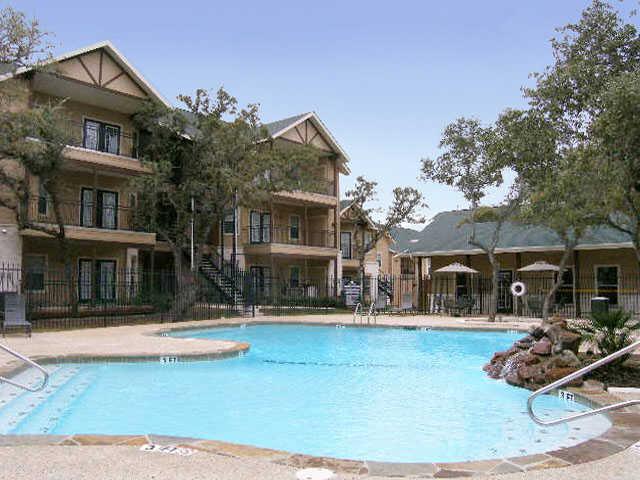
column 284, row 239
column 103, row 144
column 102, row 220
column 324, row 186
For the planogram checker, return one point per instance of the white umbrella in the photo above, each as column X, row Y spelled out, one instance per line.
column 540, row 266
column 456, row 268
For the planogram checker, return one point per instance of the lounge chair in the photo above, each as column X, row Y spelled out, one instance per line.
column 17, row 317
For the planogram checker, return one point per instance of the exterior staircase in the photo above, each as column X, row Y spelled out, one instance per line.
column 229, row 281
column 385, row 287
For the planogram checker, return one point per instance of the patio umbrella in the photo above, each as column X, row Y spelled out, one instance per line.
column 540, row 266
column 456, row 268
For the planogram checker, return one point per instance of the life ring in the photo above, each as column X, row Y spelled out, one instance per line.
column 518, row 289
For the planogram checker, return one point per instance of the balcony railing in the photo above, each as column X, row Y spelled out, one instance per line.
column 102, row 138
column 288, row 235
column 87, row 214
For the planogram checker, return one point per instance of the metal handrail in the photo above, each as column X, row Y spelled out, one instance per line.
column 30, row 362
column 355, row 312
column 372, row 311
column 572, row 377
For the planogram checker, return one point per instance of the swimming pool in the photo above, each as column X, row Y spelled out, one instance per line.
column 362, row 393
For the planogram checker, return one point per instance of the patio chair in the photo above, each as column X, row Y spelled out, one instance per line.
column 18, row 319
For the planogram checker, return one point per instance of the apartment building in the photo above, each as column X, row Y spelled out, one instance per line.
column 356, row 232
column 102, row 91
column 293, row 240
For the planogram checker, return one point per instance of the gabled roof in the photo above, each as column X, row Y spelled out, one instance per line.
column 118, row 57
column 278, row 128
column 448, row 234
column 344, row 204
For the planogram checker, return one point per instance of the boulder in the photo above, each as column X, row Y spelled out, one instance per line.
column 558, row 373
column 514, row 379
column 526, row 372
column 566, row 359
column 529, row 359
column 542, row 347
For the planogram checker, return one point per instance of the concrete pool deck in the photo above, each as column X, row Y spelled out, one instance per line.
column 95, row 456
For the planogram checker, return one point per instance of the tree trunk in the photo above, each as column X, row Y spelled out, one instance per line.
column 493, row 305
column 185, row 292
column 546, row 306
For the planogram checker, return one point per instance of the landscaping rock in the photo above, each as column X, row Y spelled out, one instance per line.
column 542, row 347
column 547, row 354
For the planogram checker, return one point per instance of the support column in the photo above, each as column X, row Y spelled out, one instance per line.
column 420, row 289
column 576, row 284
column 94, row 199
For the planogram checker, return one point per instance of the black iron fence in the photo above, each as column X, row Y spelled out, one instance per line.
column 472, row 294
column 96, row 294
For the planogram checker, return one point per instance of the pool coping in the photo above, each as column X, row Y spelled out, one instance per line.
column 624, row 430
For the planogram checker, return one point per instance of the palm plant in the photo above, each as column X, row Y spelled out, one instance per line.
column 610, row 331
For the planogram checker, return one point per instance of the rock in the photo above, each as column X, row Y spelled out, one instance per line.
column 514, row 379
column 567, row 359
column 525, row 372
column 525, row 342
column 566, row 339
column 558, row 373
column 529, row 359
column 542, row 347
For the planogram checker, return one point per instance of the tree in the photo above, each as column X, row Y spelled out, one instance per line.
column 562, row 199
column 616, row 139
column 212, row 157
column 469, row 164
column 405, row 208
column 32, row 138
column 588, row 54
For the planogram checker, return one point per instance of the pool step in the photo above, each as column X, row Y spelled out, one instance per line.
column 45, row 416
column 19, row 404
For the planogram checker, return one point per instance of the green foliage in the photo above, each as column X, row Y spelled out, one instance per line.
column 405, row 208
column 211, row 154
column 610, row 331
column 22, row 42
column 587, row 55
column 616, row 142
column 466, row 162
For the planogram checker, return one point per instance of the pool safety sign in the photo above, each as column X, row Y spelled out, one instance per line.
column 181, row 451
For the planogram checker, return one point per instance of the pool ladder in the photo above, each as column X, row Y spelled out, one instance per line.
column 28, row 361
column 371, row 313
column 573, row 376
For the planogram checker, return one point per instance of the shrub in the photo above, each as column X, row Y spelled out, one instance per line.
column 610, row 331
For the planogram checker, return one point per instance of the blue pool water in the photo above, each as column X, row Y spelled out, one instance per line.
column 362, row 393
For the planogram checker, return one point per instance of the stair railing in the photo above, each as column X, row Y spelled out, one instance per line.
column 28, row 361
column 573, row 376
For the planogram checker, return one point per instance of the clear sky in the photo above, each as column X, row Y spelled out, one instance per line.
column 385, row 77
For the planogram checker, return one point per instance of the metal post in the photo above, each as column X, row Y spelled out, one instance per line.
column 193, row 228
